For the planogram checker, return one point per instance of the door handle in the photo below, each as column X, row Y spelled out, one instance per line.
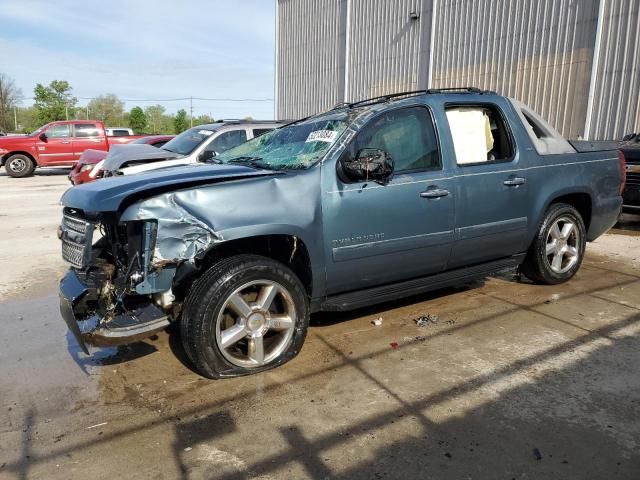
column 514, row 182
column 434, row 193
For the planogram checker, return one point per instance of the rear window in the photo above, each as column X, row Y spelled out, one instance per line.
column 479, row 134
column 119, row 133
column 85, row 130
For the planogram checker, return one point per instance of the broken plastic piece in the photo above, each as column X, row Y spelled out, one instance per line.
column 537, row 454
column 425, row 320
column 377, row 321
column 394, row 345
column 553, row 298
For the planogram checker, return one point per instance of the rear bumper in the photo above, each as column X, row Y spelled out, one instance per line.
column 604, row 216
column 90, row 328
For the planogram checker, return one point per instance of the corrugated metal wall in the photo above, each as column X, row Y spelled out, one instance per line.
column 539, row 52
column 310, row 56
column 384, row 46
column 616, row 101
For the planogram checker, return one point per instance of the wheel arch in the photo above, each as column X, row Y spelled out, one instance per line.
column 17, row 152
column 580, row 200
column 287, row 249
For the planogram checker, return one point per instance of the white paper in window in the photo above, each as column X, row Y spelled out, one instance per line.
column 471, row 134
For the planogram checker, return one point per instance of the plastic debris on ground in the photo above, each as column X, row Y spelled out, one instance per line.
column 394, row 345
column 537, row 454
column 377, row 321
column 425, row 320
column 553, row 298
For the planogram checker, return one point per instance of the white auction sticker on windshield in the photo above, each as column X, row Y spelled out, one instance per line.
column 322, row 136
column 206, row 133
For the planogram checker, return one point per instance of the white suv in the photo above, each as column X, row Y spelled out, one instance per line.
column 198, row 144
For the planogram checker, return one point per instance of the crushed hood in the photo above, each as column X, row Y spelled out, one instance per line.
column 121, row 154
column 108, row 194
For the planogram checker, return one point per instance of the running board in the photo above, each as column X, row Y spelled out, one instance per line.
column 407, row 288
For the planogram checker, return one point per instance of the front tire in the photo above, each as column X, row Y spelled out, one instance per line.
column 246, row 314
column 558, row 249
column 19, row 166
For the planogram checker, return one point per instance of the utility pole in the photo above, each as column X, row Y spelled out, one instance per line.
column 87, row 111
column 66, row 111
column 15, row 118
column 191, row 110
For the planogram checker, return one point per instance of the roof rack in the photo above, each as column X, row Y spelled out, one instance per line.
column 390, row 96
column 253, row 120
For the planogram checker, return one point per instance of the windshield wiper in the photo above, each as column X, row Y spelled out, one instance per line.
column 254, row 162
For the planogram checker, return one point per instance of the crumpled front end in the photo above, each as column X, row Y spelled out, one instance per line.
column 113, row 293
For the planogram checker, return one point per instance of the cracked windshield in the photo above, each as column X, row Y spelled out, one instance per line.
column 297, row 146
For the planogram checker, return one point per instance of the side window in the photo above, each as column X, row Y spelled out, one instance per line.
column 479, row 134
column 83, row 130
column 538, row 131
column 120, row 133
column 59, row 131
column 227, row 140
column 406, row 134
column 260, row 131
column 160, row 143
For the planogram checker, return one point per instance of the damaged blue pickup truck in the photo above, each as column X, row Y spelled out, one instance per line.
column 368, row 202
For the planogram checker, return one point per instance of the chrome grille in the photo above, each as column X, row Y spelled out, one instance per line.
column 633, row 178
column 74, row 224
column 77, row 238
column 73, row 253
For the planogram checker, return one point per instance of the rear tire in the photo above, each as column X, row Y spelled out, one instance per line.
column 558, row 249
column 19, row 166
column 246, row 314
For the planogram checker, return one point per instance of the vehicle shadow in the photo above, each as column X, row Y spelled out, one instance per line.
column 628, row 224
column 42, row 172
column 104, row 356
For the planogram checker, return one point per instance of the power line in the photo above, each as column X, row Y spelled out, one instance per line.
column 176, row 99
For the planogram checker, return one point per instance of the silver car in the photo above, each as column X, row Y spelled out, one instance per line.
column 197, row 144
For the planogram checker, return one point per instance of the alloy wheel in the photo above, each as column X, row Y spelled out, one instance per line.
column 562, row 248
column 256, row 324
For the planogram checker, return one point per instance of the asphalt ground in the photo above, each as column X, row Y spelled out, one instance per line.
column 511, row 380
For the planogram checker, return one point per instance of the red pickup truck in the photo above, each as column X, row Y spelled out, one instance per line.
column 55, row 144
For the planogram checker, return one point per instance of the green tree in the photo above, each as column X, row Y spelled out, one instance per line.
column 27, row 119
column 54, row 102
column 180, row 122
column 137, row 119
column 154, row 115
column 202, row 119
column 108, row 109
column 10, row 97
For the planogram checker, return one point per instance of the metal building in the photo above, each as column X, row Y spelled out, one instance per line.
column 576, row 62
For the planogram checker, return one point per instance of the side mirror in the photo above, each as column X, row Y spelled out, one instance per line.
column 43, row 137
column 206, row 155
column 369, row 164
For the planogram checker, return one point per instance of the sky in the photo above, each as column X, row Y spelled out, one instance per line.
column 146, row 49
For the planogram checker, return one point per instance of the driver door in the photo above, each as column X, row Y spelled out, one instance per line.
column 377, row 234
column 58, row 146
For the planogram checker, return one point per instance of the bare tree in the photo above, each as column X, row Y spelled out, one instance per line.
column 10, row 97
